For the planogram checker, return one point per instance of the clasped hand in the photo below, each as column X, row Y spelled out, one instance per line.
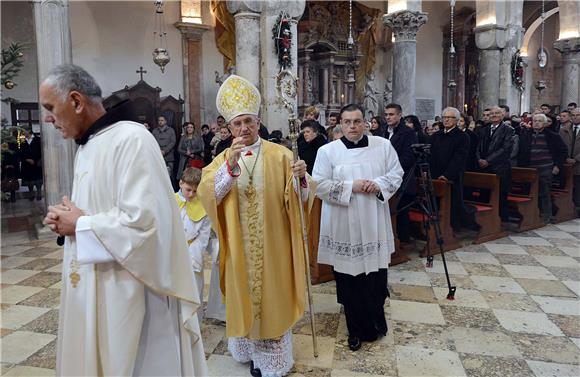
column 62, row 218
column 365, row 186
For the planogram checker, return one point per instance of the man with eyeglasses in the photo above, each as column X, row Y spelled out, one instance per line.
column 401, row 138
column 493, row 154
column 570, row 133
column 356, row 176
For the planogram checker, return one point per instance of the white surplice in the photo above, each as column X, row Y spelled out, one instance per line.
column 356, row 234
column 128, row 300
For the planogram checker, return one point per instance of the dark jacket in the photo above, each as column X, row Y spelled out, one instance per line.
column 33, row 151
column 471, row 164
column 556, row 145
column 449, row 153
column 207, row 147
column 223, row 145
column 263, row 132
column 402, row 139
column 496, row 149
column 308, row 151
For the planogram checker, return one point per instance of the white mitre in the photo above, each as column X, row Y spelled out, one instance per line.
column 237, row 96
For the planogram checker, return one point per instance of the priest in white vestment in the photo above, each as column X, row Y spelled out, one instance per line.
column 356, row 176
column 129, row 300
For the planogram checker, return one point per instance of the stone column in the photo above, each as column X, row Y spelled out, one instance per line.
column 326, row 87
column 489, row 39
column 307, row 87
column 274, row 115
column 460, row 75
column 192, row 69
column 53, row 46
column 570, row 50
column 508, row 93
column 405, row 24
column 247, row 21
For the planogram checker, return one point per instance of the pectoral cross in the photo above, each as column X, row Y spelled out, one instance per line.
column 141, row 72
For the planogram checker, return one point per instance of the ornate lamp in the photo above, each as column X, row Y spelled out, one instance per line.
column 160, row 54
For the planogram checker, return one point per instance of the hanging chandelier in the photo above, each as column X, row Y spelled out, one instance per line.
column 160, row 53
column 451, row 84
column 542, row 55
column 350, row 78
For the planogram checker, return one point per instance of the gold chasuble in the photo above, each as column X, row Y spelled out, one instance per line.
column 264, row 299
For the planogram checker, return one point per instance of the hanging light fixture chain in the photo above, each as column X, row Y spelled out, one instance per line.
column 543, row 20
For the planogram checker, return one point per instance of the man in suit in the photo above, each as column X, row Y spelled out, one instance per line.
column 493, row 154
column 570, row 133
column 402, row 137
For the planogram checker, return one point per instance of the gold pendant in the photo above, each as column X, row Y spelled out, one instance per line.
column 250, row 191
column 74, row 278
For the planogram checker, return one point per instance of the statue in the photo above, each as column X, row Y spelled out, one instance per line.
column 370, row 102
column 220, row 79
column 388, row 93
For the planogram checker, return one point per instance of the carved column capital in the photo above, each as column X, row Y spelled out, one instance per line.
column 191, row 31
column 569, row 46
column 405, row 24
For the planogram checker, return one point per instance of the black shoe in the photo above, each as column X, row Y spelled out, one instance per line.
column 354, row 343
column 255, row 372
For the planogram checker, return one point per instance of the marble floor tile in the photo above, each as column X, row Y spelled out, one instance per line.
column 554, row 305
column 501, row 241
column 16, row 261
column 302, row 346
column 212, row 335
column 463, row 297
column 13, row 250
column 461, row 282
column 420, row 335
column 545, row 287
column 555, row 349
column 47, row 298
column 326, row 324
column 38, row 252
column 517, row 259
column 505, row 249
column 324, row 303
column 348, row 373
column 545, row 250
column 45, row 324
column 569, row 324
column 17, row 316
column 409, row 278
column 510, row 301
column 532, row 241
column 482, row 269
column 480, row 257
column 57, row 268
column 491, row 366
column 43, row 358
column 39, row 264
column 565, row 273
column 569, row 227
column 19, row 345
column 571, row 251
column 221, row 365
column 416, row 312
column 13, row 294
column 527, row 322
column 554, row 234
column 475, row 318
column 412, row 293
column 372, row 358
column 29, row 372
column 300, row 370
column 56, row 254
column 529, row 272
column 15, row 276
column 555, row 261
column 574, row 286
column 454, row 268
column 564, row 242
column 496, row 284
column 412, row 361
column 543, row 369
column 41, row 279
column 488, row 343
column 576, row 341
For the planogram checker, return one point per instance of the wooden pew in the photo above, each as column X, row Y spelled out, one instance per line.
column 562, row 198
column 319, row 273
column 399, row 256
column 524, row 200
column 487, row 215
column 442, row 191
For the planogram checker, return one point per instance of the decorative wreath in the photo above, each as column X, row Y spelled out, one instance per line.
column 282, row 36
column 518, row 70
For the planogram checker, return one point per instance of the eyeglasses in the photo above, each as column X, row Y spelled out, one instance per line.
column 356, row 122
column 451, row 117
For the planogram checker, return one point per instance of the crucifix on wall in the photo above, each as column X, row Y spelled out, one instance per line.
column 141, row 72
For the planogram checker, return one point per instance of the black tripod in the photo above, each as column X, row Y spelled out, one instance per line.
column 427, row 204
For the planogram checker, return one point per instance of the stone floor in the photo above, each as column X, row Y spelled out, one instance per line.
column 517, row 313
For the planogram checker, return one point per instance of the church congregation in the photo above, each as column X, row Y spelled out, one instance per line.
column 289, row 201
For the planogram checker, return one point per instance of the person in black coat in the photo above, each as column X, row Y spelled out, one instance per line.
column 471, row 163
column 226, row 140
column 207, row 137
column 311, row 141
column 412, row 121
column 543, row 149
column 402, row 137
column 31, row 164
column 449, row 153
column 493, row 154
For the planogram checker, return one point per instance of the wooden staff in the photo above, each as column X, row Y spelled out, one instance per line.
column 286, row 84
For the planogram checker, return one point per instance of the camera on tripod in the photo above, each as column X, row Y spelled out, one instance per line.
column 421, row 152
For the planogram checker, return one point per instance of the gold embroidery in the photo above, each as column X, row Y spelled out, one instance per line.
column 237, row 96
column 74, row 276
column 255, row 252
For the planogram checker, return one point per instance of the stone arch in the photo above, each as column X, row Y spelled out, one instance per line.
column 531, row 29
